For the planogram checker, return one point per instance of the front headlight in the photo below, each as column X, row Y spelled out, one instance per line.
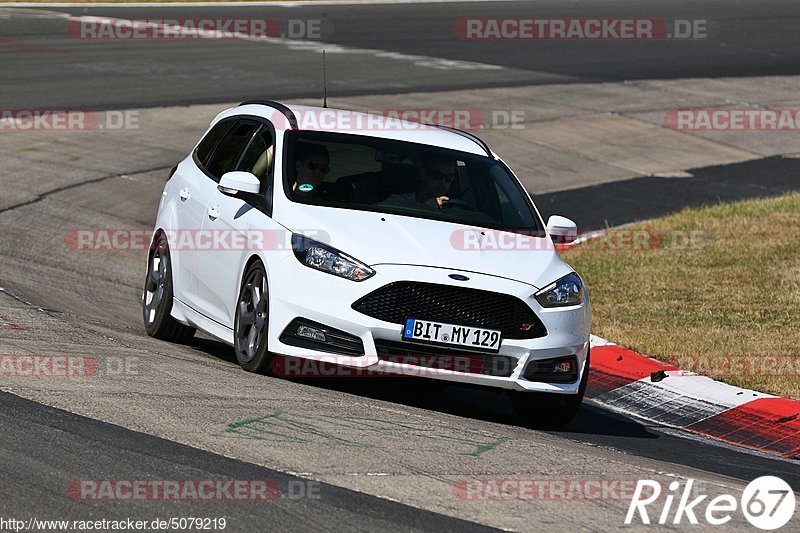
column 566, row 291
column 319, row 256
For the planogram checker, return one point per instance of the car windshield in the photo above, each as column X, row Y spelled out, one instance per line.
column 396, row 177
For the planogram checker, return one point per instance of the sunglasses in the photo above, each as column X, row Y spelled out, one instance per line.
column 322, row 167
column 439, row 175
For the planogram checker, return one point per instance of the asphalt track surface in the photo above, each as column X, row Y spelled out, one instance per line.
column 744, row 38
column 37, row 439
column 45, row 448
column 651, row 197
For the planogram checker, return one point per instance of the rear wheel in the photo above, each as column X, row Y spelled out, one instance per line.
column 157, row 297
column 544, row 410
column 251, row 324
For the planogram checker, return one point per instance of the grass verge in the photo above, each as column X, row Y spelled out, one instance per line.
column 714, row 289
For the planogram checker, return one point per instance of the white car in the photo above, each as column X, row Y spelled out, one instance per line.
column 372, row 242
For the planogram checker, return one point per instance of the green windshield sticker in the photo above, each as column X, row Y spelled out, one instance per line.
column 305, row 187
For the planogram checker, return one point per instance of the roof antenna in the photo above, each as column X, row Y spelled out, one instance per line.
column 324, row 84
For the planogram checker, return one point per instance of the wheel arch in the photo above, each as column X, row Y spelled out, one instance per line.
column 247, row 264
column 158, row 232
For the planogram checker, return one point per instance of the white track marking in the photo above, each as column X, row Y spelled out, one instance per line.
column 244, row 4
column 11, row 13
column 308, row 46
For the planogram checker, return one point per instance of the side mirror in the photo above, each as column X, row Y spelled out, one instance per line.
column 561, row 229
column 232, row 183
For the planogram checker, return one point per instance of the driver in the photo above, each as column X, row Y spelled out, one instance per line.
column 312, row 163
column 436, row 176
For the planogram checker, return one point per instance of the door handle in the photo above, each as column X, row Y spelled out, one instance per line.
column 184, row 194
column 213, row 213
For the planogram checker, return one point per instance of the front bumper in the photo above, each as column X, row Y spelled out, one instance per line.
column 327, row 299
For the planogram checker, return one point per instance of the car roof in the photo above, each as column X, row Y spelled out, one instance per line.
column 386, row 126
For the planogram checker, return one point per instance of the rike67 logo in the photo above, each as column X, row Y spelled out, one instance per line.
column 767, row 503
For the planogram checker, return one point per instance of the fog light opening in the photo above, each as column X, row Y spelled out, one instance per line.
column 564, row 367
column 556, row 370
column 311, row 333
column 305, row 333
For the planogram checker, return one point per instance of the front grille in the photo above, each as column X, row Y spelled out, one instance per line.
column 452, row 305
column 445, row 358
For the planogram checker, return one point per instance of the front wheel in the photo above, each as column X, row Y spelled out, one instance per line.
column 251, row 324
column 547, row 411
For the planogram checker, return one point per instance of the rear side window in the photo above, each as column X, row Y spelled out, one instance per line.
column 227, row 153
column 259, row 157
column 211, row 139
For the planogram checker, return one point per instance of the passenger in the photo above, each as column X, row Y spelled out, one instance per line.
column 435, row 178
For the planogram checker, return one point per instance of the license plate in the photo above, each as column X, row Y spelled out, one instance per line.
column 438, row 333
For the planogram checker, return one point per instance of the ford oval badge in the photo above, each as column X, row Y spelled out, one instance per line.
column 459, row 277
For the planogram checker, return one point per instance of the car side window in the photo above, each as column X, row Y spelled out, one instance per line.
column 259, row 157
column 227, row 153
column 213, row 137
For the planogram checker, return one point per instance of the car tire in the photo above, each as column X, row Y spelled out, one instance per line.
column 157, row 297
column 548, row 411
column 251, row 323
